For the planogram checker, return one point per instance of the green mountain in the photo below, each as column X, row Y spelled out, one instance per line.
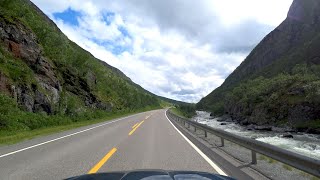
column 46, row 79
column 279, row 82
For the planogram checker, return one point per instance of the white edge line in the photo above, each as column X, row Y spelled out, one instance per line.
column 72, row 134
column 205, row 157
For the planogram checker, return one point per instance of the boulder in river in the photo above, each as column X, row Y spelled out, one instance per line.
column 290, row 136
column 263, row 128
column 219, row 119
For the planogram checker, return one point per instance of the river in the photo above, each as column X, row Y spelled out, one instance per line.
column 301, row 143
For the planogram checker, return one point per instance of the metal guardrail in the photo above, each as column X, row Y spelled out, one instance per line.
column 306, row 164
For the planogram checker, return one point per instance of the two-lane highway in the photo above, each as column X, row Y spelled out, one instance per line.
column 142, row 141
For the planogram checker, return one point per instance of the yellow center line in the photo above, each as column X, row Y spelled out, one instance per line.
column 102, row 161
column 134, row 126
column 133, row 130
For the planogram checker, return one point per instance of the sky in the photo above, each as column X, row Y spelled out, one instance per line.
column 180, row 49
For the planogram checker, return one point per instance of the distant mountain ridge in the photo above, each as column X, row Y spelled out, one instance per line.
column 288, row 53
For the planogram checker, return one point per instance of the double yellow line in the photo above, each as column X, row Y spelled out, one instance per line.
column 135, row 127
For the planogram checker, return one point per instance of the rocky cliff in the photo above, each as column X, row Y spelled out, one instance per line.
column 278, row 83
column 43, row 72
column 301, row 26
column 19, row 42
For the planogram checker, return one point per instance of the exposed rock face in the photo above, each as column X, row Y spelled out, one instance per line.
column 43, row 96
column 22, row 43
column 82, row 87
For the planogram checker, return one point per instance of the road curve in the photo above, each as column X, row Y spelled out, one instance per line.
column 142, row 141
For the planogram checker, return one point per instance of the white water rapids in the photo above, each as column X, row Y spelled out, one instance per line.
column 302, row 143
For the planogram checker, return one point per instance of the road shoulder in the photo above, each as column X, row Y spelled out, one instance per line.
column 223, row 161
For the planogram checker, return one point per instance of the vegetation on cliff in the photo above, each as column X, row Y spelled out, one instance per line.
column 185, row 110
column 278, row 83
column 288, row 99
column 48, row 80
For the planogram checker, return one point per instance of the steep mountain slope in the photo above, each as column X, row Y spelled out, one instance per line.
column 278, row 83
column 43, row 73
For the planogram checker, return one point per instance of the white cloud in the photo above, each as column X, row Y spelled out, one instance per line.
column 178, row 49
column 270, row 12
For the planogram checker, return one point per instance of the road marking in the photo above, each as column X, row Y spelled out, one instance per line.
column 56, row 139
column 102, row 161
column 151, row 114
column 133, row 130
column 205, row 157
column 134, row 126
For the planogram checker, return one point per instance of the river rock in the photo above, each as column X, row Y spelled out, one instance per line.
column 263, row 128
column 219, row 119
column 313, row 130
column 287, row 136
column 244, row 123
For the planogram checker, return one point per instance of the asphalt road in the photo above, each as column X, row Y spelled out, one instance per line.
column 142, row 141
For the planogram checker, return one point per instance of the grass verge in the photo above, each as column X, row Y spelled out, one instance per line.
column 178, row 112
column 11, row 137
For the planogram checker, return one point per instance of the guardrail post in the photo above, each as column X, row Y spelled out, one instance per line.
column 195, row 128
column 205, row 134
column 253, row 157
column 222, row 142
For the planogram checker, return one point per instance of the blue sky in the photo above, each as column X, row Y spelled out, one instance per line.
column 174, row 48
column 72, row 18
column 68, row 16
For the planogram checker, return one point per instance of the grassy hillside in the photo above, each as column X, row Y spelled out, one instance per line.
column 68, row 57
column 278, row 83
column 48, row 80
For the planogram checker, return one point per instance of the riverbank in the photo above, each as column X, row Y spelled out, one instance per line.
column 281, row 128
column 298, row 142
